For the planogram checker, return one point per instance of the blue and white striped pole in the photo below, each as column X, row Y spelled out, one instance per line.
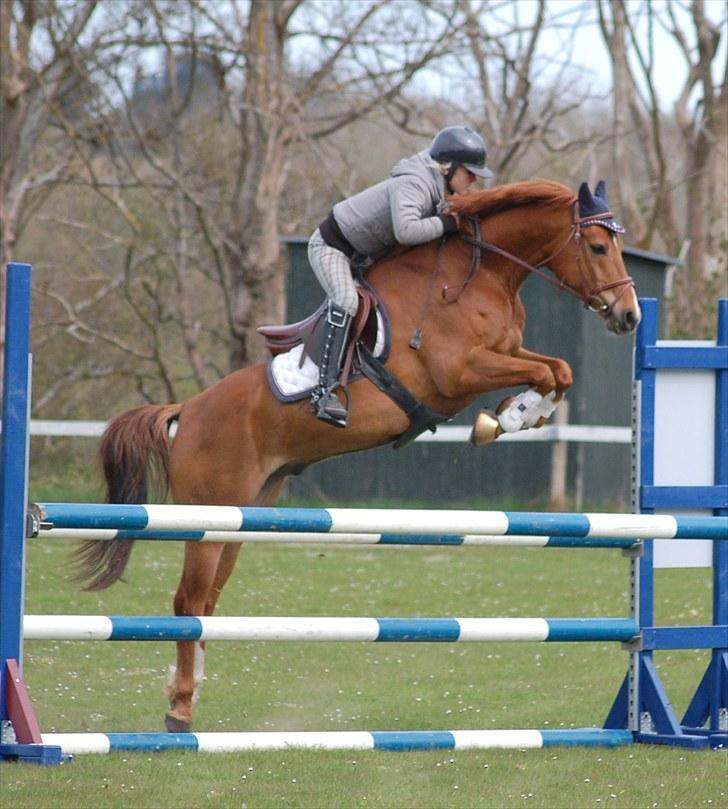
column 296, row 628
column 313, row 538
column 100, row 743
column 153, row 517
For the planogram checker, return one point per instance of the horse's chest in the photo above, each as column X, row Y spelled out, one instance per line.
column 511, row 341
column 499, row 334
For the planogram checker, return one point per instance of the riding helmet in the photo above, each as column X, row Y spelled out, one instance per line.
column 460, row 146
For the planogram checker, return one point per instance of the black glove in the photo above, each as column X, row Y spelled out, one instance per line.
column 450, row 223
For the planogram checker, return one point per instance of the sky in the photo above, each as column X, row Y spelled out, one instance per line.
column 579, row 35
column 670, row 66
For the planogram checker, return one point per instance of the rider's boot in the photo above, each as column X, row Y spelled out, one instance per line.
column 326, row 404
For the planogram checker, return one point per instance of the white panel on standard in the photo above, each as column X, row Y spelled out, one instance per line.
column 684, row 448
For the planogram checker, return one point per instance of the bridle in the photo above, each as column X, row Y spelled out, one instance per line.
column 592, row 300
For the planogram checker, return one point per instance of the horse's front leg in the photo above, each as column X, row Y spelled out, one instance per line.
column 563, row 377
column 561, row 369
column 484, row 371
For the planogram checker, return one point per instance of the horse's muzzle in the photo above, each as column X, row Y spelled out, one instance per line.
column 624, row 320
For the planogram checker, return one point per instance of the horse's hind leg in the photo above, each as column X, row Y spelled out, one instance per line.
column 207, row 567
column 193, row 596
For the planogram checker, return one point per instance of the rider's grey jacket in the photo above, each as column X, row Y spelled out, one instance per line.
column 400, row 210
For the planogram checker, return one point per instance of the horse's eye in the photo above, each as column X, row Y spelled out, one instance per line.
column 598, row 249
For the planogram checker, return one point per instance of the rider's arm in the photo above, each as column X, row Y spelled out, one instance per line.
column 412, row 218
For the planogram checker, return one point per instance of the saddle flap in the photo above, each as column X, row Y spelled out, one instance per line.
column 279, row 339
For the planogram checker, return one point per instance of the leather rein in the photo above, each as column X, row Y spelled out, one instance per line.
column 591, row 299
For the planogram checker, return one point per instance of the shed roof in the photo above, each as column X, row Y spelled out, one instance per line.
column 666, row 261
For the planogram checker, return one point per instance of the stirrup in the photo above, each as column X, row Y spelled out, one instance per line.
column 327, row 407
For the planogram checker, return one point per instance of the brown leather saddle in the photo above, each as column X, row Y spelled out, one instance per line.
column 280, row 339
column 359, row 353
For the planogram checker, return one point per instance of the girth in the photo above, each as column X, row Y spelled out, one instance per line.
column 420, row 416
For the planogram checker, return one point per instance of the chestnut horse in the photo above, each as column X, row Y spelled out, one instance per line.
column 235, row 443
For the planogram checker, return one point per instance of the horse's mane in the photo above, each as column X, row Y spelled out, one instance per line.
column 512, row 195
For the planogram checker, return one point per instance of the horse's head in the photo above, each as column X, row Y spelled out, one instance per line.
column 599, row 274
column 578, row 239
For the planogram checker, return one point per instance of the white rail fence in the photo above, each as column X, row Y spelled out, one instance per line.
column 560, row 434
column 579, row 433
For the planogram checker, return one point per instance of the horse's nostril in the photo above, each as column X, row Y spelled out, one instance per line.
column 630, row 320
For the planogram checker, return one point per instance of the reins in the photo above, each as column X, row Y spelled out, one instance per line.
column 416, row 339
column 591, row 300
column 577, row 223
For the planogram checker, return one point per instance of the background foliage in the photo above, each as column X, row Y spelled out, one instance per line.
column 154, row 152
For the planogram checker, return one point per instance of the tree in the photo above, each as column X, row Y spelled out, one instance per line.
column 519, row 94
column 32, row 84
column 302, row 71
column 189, row 161
column 685, row 164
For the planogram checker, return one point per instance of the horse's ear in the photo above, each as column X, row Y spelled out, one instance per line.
column 601, row 190
column 586, row 200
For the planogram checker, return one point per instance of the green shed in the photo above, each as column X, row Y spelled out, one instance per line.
column 425, row 472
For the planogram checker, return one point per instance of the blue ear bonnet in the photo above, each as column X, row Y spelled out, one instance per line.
column 593, row 207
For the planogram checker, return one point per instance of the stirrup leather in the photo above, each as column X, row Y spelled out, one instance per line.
column 326, row 404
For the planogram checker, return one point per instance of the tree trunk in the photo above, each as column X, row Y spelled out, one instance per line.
column 254, row 255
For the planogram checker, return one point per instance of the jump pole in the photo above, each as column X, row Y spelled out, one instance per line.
column 182, row 519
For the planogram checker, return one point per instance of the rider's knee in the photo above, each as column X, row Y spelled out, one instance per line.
column 349, row 301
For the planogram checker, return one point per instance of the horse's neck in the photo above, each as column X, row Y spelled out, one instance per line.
column 531, row 239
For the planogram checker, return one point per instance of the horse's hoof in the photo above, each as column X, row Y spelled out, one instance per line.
column 485, row 429
column 175, row 725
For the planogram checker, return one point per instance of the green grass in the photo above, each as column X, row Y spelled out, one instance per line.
column 349, row 686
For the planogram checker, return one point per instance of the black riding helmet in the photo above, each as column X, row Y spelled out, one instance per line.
column 460, row 146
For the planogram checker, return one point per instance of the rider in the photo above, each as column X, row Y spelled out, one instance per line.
column 408, row 208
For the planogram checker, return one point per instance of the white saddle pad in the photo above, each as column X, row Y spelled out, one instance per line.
column 294, row 378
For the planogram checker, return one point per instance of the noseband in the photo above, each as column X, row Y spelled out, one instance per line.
column 591, row 299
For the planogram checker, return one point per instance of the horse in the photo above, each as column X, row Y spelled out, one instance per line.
column 235, row 443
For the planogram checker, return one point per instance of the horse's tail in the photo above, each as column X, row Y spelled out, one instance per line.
column 134, row 456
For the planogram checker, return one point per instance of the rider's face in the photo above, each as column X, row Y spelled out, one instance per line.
column 462, row 180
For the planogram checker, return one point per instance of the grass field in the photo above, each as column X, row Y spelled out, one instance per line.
column 80, row 686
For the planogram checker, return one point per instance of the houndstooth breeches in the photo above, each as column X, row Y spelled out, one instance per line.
column 332, row 269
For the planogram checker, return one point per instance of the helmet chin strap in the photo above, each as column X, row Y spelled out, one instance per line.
column 450, row 174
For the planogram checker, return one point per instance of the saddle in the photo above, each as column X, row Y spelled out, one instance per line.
column 281, row 339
